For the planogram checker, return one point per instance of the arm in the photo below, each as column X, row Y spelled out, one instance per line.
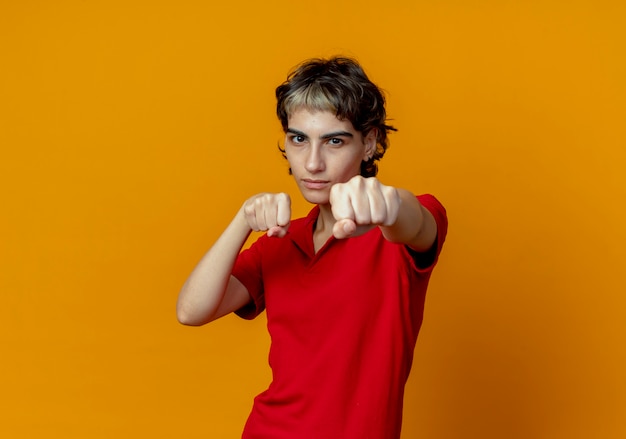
column 414, row 226
column 211, row 291
column 363, row 203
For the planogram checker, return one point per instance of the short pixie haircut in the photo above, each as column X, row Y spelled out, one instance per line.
column 339, row 85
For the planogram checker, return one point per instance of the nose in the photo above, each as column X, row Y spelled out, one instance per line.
column 314, row 159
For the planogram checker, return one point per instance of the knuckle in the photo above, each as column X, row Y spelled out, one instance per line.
column 378, row 218
column 360, row 182
column 390, row 191
column 363, row 216
column 336, row 192
column 283, row 198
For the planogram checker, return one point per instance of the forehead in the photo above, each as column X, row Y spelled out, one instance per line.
column 305, row 119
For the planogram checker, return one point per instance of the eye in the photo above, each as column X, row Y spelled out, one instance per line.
column 335, row 141
column 297, row 138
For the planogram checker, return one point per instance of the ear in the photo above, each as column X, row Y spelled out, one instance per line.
column 370, row 144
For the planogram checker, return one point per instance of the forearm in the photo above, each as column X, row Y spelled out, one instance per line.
column 414, row 226
column 205, row 289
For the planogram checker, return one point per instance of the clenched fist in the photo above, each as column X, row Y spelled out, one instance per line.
column 361, row 204
column 268, row 212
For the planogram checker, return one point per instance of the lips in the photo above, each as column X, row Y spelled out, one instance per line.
column 315, row 184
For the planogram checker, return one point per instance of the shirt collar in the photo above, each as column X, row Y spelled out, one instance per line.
column 302, row 234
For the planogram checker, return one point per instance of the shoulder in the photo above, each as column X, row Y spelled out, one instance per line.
column 427, row 260
column 437, row 210
column 431, row 203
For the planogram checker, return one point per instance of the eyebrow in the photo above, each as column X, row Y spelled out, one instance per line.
column 323, row 136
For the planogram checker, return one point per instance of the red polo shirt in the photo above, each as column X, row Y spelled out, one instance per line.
column 343, row 324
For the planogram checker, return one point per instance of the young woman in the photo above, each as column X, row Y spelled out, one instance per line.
column 344, row 287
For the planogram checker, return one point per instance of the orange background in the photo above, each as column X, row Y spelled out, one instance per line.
column 131, row 132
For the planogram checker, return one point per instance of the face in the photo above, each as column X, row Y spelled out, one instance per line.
column 323, row 150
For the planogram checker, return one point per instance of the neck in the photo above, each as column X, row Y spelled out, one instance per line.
column 323, row 226
column 325, row 220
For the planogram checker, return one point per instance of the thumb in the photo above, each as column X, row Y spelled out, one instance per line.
column 278, row 231
column 344, row 228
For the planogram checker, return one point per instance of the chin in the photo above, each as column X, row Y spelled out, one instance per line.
column 316, row 197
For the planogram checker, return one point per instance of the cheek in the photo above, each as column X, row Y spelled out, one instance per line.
column 293, row 162
column 349, row 167
column 290, row 157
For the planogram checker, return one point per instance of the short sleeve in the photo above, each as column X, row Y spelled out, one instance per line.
column 248, row 270
column 425, row 261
